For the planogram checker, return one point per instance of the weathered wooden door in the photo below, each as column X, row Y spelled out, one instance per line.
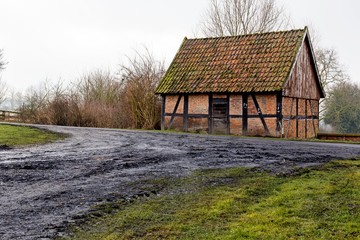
column 220, row 114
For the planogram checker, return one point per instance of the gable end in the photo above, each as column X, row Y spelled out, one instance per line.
column 303, row 80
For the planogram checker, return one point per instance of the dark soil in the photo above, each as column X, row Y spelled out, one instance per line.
column 4, row 147
column 44, row 188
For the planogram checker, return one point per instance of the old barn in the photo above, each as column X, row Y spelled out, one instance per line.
column 258, row 85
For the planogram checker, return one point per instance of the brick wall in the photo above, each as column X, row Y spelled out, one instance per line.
column 178, row 123
column 267, row 105
column 170, row 103
column 256, row 128
column 198, row 104
column 235, row 108
column 236, row 126
column 199, row 125
column 198, row 119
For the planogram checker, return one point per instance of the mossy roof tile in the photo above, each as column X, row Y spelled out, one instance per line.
column 257, row 63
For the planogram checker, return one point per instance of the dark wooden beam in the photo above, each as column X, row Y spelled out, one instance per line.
column 260, row 114
column 199, row 115
column 254, row 116
column 186, row 112
column 300, row 117
column 279, row 113
column 313, row 120
column 173, row 115
column 163, row 102
column 288, row 128
column 297, row 120
column 210, row 110
column 244, row 113
column 306, row 130
column 227, row 114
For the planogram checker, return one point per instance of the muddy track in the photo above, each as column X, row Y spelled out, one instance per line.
column 43, row 188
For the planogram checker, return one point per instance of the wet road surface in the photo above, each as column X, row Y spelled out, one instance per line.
column 42, row 188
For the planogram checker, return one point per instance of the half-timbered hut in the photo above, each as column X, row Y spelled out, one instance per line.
column 264, row 84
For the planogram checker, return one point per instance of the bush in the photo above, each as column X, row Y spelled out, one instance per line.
column 101, row 99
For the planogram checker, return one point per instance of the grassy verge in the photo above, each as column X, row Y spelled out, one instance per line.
column 238, row 203
column 11, row 135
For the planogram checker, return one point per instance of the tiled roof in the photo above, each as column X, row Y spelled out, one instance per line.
column 247, row 63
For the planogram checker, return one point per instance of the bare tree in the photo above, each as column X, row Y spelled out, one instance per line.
column 15, row 99
column 35, row 101
column 2, row 61
column 331, row 73
column 99, row 95
column 237, row 17
column 3, row 91
column 141, row 76
column 3, row 87
column 100, row 86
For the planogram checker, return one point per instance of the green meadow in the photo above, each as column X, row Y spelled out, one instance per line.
column 237, row 203
column 14, row 135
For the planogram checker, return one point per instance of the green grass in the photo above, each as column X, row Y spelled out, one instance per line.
column 12, row 135
column 238, row 203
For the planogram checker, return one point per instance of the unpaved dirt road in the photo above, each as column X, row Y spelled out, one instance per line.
column 44, row 187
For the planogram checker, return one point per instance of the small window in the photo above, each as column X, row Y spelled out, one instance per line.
column 219, row 107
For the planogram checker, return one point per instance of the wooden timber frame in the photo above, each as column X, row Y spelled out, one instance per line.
column 282, row 121
column 174, row 114
column 217, row 86
column 297, row 117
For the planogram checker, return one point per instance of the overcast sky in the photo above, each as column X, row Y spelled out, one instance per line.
column 63, row 39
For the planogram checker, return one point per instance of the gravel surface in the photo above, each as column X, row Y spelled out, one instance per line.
column 43, row 188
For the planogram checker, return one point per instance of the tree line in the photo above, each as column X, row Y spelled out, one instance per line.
column 126, row 99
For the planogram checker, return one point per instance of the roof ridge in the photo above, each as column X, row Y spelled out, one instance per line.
column 305, row 29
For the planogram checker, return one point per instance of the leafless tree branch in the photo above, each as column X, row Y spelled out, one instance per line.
column 237, row 17
column 2, row 61
column 3, row 86
column 140, row 78
column 331, row 73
